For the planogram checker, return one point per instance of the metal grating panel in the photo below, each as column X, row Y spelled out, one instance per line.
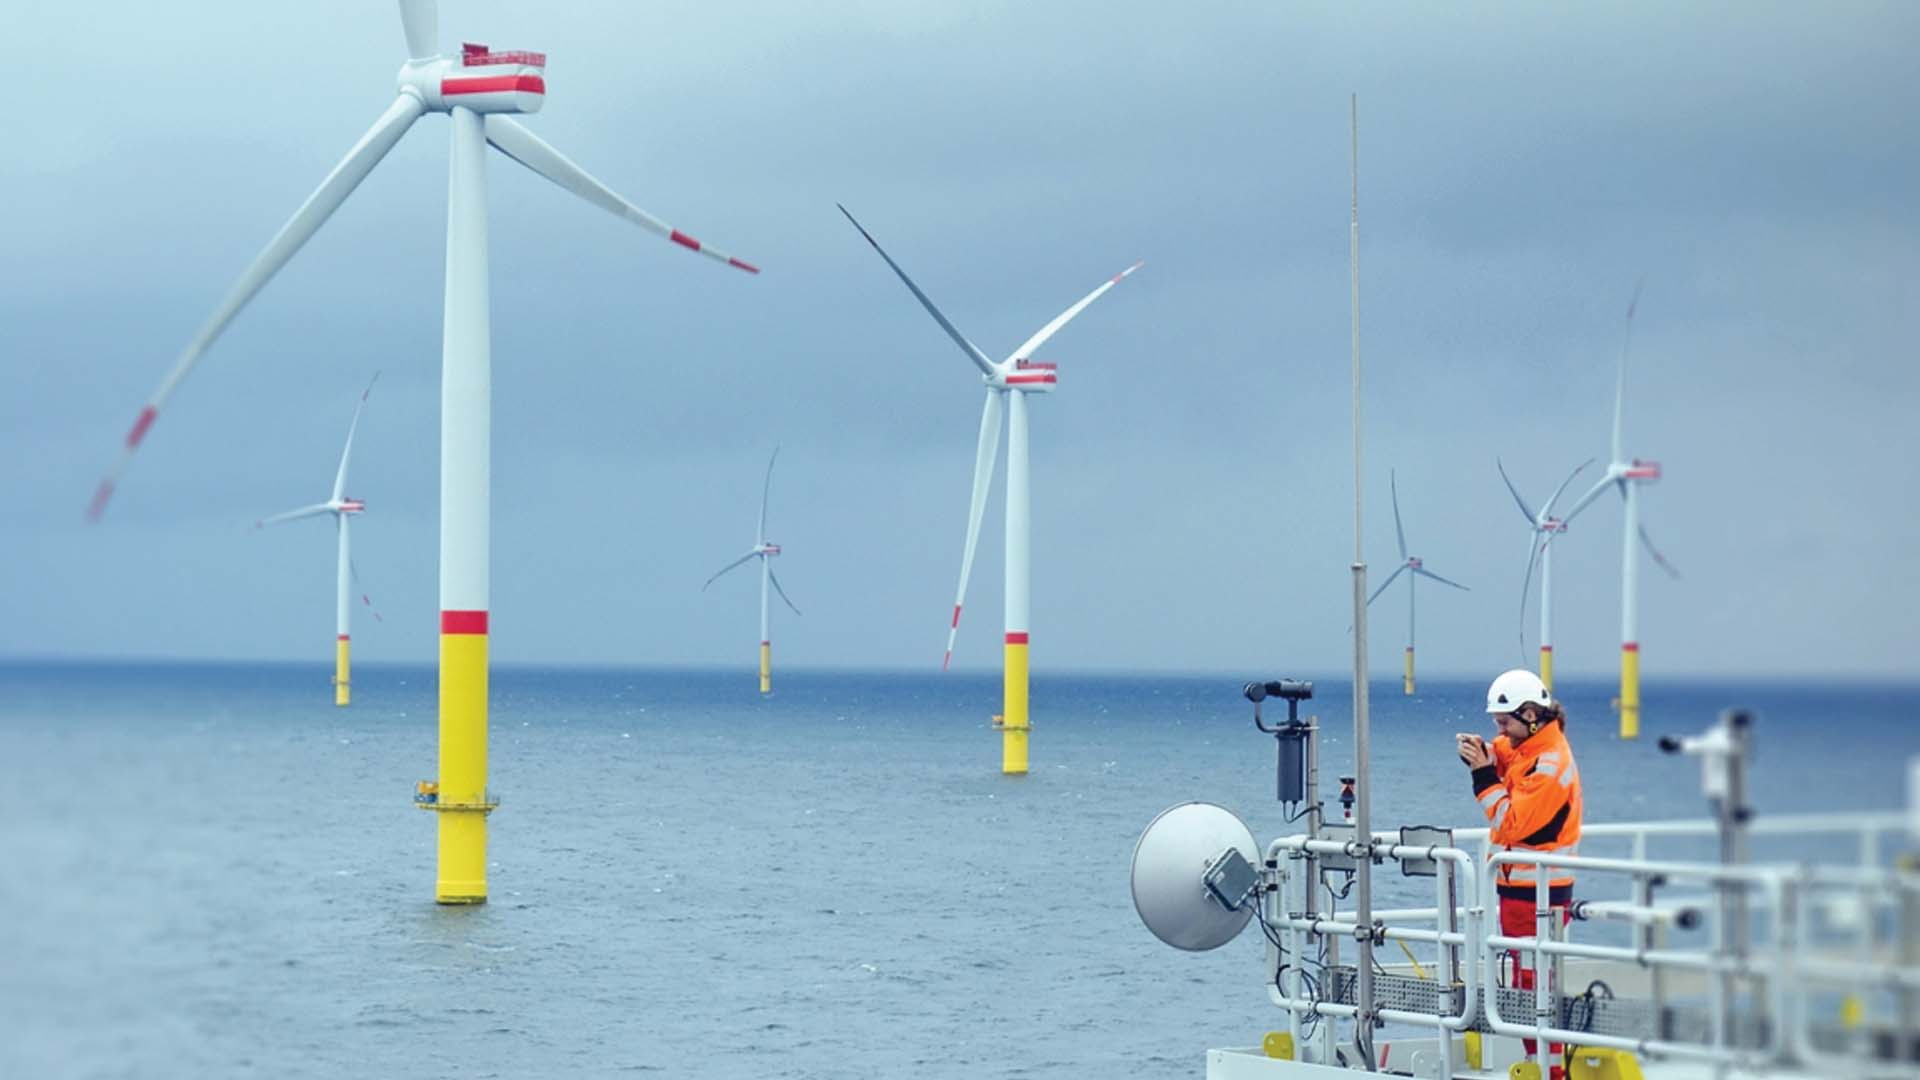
column 1629, row 1018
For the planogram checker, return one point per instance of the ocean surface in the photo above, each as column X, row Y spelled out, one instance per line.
column 210, row 871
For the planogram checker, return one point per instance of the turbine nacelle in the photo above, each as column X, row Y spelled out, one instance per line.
column 768, row 548
column 1641, row 470
column 1414, row 564
column 350, row 506
column 1025, row 375
column 478, row 79
column 1552, row 525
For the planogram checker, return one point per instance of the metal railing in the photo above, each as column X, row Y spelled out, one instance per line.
column 1763, row 966
column 1455, row 868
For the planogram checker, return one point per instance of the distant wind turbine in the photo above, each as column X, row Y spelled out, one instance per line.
column 1625, row 476
column 1540, row 550
column 1419, row 568
column 478, row 89
column 342, row 508
column 764, row 550
column 1008, row 384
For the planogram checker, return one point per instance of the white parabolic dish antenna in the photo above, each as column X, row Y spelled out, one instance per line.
column 1169, row 868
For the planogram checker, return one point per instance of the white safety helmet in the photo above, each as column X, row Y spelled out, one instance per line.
column 1516, row 688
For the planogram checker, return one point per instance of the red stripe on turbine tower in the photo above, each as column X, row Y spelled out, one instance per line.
column 1016, row 637
column 1629, row 646
column 493, row 84
column 463, row 622
column 343, row 637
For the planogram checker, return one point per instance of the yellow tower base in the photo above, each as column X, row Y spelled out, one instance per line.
column 766, row 667
column 1546, row 665
column 1014, row 724
column 342, row 687
column 463, row 802
column 1630, row 690
column 1406, row 681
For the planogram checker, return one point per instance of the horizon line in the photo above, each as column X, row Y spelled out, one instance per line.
column 1338, row 678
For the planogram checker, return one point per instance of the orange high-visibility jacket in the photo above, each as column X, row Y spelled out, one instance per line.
column 1531, row 795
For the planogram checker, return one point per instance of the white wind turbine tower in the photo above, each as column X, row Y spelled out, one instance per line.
column 1540, row 550
column 1626, row 475
column 764, row 550
column 342, row 508
column 477, row 89
column 1008, row 384
column 1419, row 569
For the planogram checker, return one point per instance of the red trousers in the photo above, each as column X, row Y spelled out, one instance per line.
column 1517, row 920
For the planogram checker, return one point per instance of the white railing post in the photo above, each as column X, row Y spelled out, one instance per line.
column 1542, row 916
column 1446, row 966
column 1648, row 936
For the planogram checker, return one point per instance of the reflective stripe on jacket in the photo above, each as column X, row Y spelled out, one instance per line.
column 1531, row 796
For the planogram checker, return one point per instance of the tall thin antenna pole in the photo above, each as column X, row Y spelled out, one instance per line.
column 1362, row 819
column 1353, row 265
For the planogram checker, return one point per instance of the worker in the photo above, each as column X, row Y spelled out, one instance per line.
column 1529, row 787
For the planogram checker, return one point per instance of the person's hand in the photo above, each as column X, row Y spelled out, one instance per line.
column 1473, row 750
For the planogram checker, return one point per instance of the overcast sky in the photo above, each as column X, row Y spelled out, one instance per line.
column 1521, row 166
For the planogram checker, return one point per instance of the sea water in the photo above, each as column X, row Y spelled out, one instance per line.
column 211, row 871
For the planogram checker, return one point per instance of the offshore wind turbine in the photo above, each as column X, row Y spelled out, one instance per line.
column 1625, row 475
column 1419, row 569
column 342, row 508
column 1008, row 384
column 1540, row 550
column 764, row 550
column 478, row 89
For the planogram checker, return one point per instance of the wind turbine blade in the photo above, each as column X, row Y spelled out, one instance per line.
column 1026, row 349
column 307, row 220
column 340, row 478
column 1620, row 388
column 421, row 22
column 1535, row 546
column 512, row 138
column 1557, row 492
column 1515, row 492
column 354, row 569
column 1399, row 533
column 729, row 566
column 293, row 515
column 760, row 536
column 1425, row 573
column 776, row 588
column 1659, row 559
column 1383, row 585
column 973, row 351
column 1586, row 500
column 983, row 459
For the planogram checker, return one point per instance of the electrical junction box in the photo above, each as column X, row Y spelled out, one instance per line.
column 1231, row 879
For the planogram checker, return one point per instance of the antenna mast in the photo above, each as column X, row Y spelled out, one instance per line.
column 1362, row 823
